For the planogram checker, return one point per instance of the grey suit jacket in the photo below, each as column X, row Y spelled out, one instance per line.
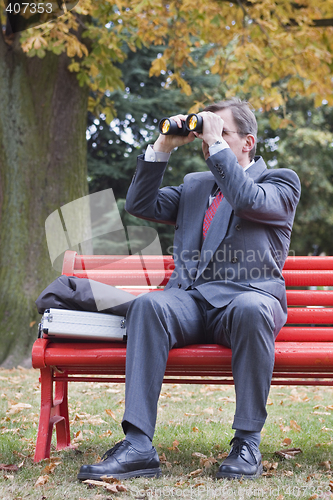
column 248, row 240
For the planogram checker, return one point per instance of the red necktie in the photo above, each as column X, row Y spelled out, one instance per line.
column 210, row 212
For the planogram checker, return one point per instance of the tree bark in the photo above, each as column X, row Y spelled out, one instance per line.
column 42, row 167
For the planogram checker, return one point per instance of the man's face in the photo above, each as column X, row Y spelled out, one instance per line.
column 231, row 136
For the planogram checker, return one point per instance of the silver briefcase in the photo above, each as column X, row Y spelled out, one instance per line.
column 82, row 325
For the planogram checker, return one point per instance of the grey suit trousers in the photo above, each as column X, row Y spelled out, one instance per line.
column 160, row 321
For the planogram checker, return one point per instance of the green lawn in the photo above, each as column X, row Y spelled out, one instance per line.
column 192, row 436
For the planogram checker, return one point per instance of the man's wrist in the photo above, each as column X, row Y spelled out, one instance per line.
column 160, row 147
column 156, row 156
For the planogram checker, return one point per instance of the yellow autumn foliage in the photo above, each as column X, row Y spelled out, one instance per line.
column 267, row 48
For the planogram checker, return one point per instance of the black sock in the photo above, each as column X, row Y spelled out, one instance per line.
column 251, row 437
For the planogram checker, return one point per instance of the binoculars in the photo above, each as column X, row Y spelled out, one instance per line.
column 193, row 123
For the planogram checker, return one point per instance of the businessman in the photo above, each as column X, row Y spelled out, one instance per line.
column 232, row 234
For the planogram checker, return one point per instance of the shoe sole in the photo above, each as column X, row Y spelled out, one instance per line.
column 226, row 475
column 125, row 475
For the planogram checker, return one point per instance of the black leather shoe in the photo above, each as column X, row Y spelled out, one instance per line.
column 122, row 462
column 243, row 462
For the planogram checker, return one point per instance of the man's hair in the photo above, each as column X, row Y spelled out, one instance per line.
column 243, row 115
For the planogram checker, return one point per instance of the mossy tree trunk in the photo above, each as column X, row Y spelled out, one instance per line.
column 42, row 167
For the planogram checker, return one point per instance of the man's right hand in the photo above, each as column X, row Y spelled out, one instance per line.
column 166, row 143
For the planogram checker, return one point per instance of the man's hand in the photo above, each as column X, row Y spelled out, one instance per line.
column 166, row 143
column 211, row 130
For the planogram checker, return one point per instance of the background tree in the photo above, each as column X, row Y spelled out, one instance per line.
column 50, row 74
column 304, row 144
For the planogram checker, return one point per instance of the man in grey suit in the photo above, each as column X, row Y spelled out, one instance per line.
column 232, row 235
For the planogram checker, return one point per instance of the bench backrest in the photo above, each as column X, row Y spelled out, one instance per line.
column 310, row 310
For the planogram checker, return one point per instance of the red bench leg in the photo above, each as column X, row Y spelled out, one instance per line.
column 53, row 412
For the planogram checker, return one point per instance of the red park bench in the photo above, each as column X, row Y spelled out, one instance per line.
column 303, row 353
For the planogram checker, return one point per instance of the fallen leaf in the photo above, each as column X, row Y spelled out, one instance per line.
column 110, row 479
column 164, row 461
column 49, row 469
column 102, row 484
column 207, row 462
column 111, row 414
column 269, row 466
column 32, row 323
column 195, row 473
column 174, row 446
column 294, row 425
column 224, row 454
column 195, row 429
column 286, row 442
column 198, row 455
column 96, row 421
column 9, row 468
column 16, row 408
column 41, row 480
column 326, row 464
column 288, row 454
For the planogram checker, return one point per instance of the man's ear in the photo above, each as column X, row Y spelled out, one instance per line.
column 249, row 143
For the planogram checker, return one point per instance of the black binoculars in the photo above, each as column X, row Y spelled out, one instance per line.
column 193, row 123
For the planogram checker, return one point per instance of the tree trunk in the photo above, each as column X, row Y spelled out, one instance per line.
column 42, row 167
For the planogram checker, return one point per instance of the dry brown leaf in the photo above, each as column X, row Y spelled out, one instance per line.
column 32, row 323
column 294, row 425
column 174, row 446
column 78, row 436
column 195, row 429
column 111, row 414
column 96, row 421
column 49, row 469
column 180, row 483
column 313, row 497
column 110, row 479
column 195, row 473
column 288, row 473
column 224, row 454
column 270, row 466
column 326, row 464
column 16, row 408
column 284, row 428
column 286, row 442
column 102, row 484
column 41, row 480
column 9, row 468
column 288, row 454
column 198, row 455
column 207, row 462
column 106, row 434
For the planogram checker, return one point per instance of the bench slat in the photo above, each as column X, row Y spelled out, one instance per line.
column 110, row 357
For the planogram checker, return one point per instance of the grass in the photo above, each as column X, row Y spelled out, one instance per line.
column 191, row 420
